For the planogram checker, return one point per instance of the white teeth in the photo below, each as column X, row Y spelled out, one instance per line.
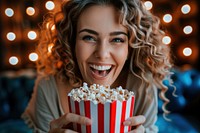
column 100, row 68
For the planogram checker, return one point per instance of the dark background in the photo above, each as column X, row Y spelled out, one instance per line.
column 21, row 23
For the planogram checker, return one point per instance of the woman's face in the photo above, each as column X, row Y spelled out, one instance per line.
column 101, row 45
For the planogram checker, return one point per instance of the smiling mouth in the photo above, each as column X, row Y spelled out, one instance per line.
column 100, row 70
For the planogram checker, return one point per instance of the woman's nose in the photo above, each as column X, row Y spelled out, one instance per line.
column 102, row 50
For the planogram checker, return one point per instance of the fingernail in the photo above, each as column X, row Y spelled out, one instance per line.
column 127, row 123
column 88, row 122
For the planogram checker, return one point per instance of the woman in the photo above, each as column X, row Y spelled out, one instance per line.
column 109, row 42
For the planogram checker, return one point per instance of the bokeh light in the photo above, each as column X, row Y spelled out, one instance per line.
column 30, row 11
column 33, row 56
column 13, row 60
column 32, row 35
column 11, row 36
column 148, row 5
column 187, row 51
column 9, row 12
column 167, row 18
column 188, row 29
column 50, row 5
column 185, row 9
column 166, row 40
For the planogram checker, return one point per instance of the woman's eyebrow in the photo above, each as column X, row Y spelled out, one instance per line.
column 118, row 33
column 95, row 33
column 89, row 31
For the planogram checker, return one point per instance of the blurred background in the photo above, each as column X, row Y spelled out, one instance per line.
column 19, row 24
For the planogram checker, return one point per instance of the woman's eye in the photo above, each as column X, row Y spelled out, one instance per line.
column 118, row 40
column 89, row 38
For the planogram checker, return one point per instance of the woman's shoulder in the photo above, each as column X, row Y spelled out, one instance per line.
column 46, row 84
column 133, row 81
column 136, row 83
column 45, row 80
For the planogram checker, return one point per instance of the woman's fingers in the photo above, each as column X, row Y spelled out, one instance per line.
column 135, row 120
column 139, row 129
column 69, row 118
column 58, row 130
column 74, row 118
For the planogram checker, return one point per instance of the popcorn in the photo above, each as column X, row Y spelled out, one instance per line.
column 99, row 93
column 107, row 108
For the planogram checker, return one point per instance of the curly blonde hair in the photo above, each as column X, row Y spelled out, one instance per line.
column 147, row 53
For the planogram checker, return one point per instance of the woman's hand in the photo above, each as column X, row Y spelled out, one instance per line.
column 136, row 121
column 64, row 123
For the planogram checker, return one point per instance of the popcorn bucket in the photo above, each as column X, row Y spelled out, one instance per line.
column 106, row 118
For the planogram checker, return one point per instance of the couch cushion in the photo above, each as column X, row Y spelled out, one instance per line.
column 14, row 126
column 15, row 93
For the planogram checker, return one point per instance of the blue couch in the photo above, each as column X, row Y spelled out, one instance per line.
column 16, row 89
column 15, row 92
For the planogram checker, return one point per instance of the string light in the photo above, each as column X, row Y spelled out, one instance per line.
column 187, row 51
column 13, row 60
column 166, row 40
column 9, row 12
column 185, row 9
column 32, row 35
column 167, row 18
column 50, row 5
column 11, row 36
column 33, row 57
column 187, row 29
column 30, row 11
column 148, row 5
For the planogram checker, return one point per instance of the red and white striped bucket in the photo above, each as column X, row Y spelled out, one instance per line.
column 106, row 118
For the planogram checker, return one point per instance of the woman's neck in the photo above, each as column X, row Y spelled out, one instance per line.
column 121, row 80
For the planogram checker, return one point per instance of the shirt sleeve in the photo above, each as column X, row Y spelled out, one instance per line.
column 146, row 102
column 42, row 108
column 151, row 111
